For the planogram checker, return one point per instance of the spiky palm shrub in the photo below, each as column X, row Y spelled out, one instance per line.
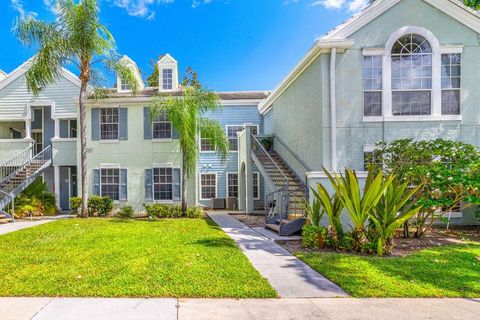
column 396, row 206
column 76, row 38
column 332, row 206
column 358, row 204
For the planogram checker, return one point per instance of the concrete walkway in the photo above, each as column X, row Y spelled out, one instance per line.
column 248, row 309
column 24, row 224
column 290, row 277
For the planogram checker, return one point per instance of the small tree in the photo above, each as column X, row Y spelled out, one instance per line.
column 77, row 38
column 446, row 170
column 186, row 112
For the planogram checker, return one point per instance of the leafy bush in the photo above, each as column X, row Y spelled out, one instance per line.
column 125, row 212
column 75, row 204
column 158, row 211
column 195, row 213
column 99, row 206
column 36, row 200
column 313, row 237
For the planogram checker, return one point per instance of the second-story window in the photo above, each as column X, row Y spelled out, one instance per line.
column 124, row 85
column 372, row 86
column 167, row 79
column 451, row 72
column 162, row 128
column 232, row 136
column 206, row 145
column 109, row 123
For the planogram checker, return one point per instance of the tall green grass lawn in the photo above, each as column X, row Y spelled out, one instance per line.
column 127, row 258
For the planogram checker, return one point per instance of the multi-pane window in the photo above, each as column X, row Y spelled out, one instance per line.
column 37, row 137
column 232, row 185
column 110, row 183
column 162, row 184
column 411, row 76
column 208, row 186
column 162, row 128
column 372, row 86
column 256, row 185
column 451, row 73
column 109, row 123
column 232, row 136
column 124, row 85
column 206, row 144
column 72, row 128
column 167, row 77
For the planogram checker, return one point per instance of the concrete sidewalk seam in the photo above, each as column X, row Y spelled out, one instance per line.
column 46, row 304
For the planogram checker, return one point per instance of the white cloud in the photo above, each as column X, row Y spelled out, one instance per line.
column 18, row 6
column 351, row 5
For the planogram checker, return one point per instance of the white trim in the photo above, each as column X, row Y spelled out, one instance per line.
column 320, row 46
column 216, row 185
column 138, row 77
column 414, row 118
column 453, row 8
column 373, row 51
column 165, row 166
column 322, row 175
column 452, row 49
column 240, row 102
column 109, row 166
column 64, row 139
column 333, row 109
column 23, row 68
column 40, row 103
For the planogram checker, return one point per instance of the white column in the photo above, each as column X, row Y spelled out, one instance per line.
column 57, row 128
column 333, row 109
column 28, row 129
column 56, row 184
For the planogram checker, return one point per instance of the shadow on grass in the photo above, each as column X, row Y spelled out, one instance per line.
column 215, row 242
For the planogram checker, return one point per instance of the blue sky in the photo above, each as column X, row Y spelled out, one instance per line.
column 233, row 44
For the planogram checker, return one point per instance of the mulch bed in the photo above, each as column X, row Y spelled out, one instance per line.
column 252, row 221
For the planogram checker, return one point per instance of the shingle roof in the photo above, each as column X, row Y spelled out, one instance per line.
column 223, row 95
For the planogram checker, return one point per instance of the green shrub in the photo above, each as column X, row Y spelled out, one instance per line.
column 75, row 204
column 158, row 210
column 195, row 213
column 99, row 206
column 125, row 212
column 313, row 237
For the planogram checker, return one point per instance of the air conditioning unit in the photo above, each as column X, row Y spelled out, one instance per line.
column 217, row 203
column 231, row 203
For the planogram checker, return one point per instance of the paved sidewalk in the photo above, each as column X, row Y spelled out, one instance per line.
column 290, row 277
column 247, row 309
column 24, row 224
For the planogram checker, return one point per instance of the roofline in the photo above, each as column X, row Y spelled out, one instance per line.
column 22, row 69
column 454, row 8
column 165, row 56
column 320, row 46
column 136, row 99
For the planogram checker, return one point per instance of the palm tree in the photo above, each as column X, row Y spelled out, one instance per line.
column 77, row 38
column 186, row 112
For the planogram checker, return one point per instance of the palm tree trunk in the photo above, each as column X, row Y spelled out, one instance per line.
column 184, row 185
column 83, row 147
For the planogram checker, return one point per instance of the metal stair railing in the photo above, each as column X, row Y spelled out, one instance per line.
column 276, row 202
column 11, row 165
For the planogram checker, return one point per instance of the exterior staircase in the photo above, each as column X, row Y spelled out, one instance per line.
column 284, row 207
column 17, row 174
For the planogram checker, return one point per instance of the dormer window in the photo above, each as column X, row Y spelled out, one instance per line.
column 124, row 87
column 167, row 79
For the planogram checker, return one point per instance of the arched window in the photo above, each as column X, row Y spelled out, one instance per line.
column 411, row 76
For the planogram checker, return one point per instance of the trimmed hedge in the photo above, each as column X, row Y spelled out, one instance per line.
column 158, row 211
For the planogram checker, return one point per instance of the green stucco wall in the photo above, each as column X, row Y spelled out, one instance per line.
column 135, row 154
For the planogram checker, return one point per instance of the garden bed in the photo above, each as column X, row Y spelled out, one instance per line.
column 127, row 258
column 405, row 246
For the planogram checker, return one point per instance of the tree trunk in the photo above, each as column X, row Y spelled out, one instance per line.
column 83, row 147
column 184, row 186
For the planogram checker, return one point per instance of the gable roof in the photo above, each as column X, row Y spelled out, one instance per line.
column 454, row 8
column 166, row 58
column 22, row 69
column 338, row 37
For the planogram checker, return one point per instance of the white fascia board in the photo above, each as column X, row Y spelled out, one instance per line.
column 320, row 46
column 322, row 175
column 240, row 102
column 454, row 8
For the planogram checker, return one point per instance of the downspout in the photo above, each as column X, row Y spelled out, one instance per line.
column 333, row 109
